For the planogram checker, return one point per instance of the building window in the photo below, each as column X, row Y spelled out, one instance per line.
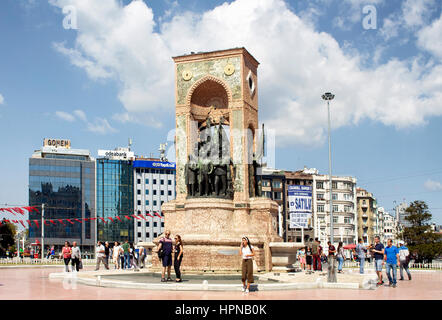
column 161, row 181
column 138, row 191
column 320, row 208
column 147, row 234
column 155, row 202
column 320, row 196
column 162, row 224
column 155, row 192
column 154, row 181
column 139, row 234
column 161, row 202
column 335, row 219
column 155, row 224
column 334, row 185
column 347, row 208
column 169, row 182
column 138, row 181
column 319, row 185
column 169, row 193
column 147, row 181
column 155, row 234
column 147, row 202
column 147, row 224
column 347, row 220
column 335, row 208
column 139, row 202
column 266, row 183
column 139, row 223
column 276, row 184
column 147, row 191
column 162, row 192
column 334, row 196
column 277, row 195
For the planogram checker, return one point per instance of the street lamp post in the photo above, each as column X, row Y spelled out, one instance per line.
column 327, row 97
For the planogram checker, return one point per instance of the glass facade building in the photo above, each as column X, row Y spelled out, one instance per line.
column 115, row 198
column 64, row 180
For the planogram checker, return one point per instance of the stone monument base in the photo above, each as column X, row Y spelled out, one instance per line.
column 212, row 228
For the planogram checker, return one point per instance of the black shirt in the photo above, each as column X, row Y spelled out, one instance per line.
column 379, row 247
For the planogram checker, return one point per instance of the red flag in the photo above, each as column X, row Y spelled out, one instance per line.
column 29, row 222
column 1, row 209
column 127, row 217
column 15, row 221
column 36, row 222
column 102, row 219
column 69, row 220
column 78, row 220
column 92, row 219
column 156, row 213
column 148, row 214
column 119, row 218
column 22, row 223
column 35, row 209
column 61, row 221
column 19, row 210
column 52, row 221
column 46, row 223
column 142, row 216
column 135, row 216
column 110, row 219
column 28, row 208
column 7, row 221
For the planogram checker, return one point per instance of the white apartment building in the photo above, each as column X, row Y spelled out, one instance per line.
column 344, row 208
column 154, row 184
column 379, row 223
column 389, row 228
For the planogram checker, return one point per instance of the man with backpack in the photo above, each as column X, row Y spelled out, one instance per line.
column 404, row 258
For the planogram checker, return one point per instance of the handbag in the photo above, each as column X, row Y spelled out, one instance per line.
column 160, row 253
column 80, row 265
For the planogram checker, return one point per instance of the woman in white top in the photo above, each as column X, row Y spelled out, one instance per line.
column 247, row 252
column 116, row 255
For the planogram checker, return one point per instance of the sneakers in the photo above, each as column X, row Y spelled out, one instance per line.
column 401, row 279
column 379, row 283
column 163, row 280
column 247, row 291
column 169, row 279
column 394, row 285
column 243, row 289
column 409, row 278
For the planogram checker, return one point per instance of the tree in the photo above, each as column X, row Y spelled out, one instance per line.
column 7, row 233
column 421, row 240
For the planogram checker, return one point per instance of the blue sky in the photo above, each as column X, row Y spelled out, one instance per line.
column 112, row 79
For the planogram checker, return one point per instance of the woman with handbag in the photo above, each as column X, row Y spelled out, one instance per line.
column 247, row 252
column 178, row 257
column 340, row 256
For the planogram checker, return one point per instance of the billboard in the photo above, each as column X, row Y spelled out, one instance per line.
column 116, row 154
column 300, row 205
column 154, row 164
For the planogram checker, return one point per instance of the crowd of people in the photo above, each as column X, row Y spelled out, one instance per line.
column 312, row 256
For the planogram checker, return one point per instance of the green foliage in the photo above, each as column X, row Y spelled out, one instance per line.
column 7, row 232
column 421, row 240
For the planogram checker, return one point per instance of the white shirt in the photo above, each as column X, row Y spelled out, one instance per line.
column 97, row 251
column 245, row 251
column 116, row 252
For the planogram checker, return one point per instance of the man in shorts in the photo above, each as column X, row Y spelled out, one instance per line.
column 166, row 245
column 378, row 252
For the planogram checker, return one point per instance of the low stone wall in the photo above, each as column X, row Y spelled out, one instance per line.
column 284, row 255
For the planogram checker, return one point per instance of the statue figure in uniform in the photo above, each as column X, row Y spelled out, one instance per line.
column 191, row 172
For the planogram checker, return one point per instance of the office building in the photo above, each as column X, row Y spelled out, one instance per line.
column 390, row 228
column 63, row 179
column 154, row 184
column 115, row 194
column 400, row 215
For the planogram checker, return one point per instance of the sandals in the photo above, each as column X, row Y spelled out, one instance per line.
column 163, row 280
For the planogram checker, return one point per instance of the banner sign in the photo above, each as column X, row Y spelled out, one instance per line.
column 300, row 205
column 154, row 164
column 116, row 154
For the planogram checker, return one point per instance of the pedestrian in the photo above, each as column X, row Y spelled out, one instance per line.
column 309, row 257
column 247, row 252
column 106, row 252
column 340, row 256
column 121, row 256
column 141, row 256
column 391, row 256
column 378, row 254
column 126, row 252
column 360, row 252
column 331, row 251
column 133, row 258
column 101, row 256
column 166, row 247
column 66, row 252
column 52, row 252
column 404, row 259
column 48, row 254
column 301, row 258
column 76, row 257
column 316, row 255
column 178, row 257
column 116, row 255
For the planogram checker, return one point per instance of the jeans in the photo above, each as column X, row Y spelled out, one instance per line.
column 76, row 264
column 361, row 265
column 66, row 264
column 401, row 269
column 317, row 262
column 391, row 267
column 126, row 260
column 340, row 263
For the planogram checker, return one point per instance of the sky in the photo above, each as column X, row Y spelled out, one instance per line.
column 99, row 72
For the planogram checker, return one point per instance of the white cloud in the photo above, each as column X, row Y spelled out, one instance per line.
column 100, row 126
column 2, row 100
column 65, row 116
column 298, row 64
column 432, row 185
column 429, row 38
column 80, row 115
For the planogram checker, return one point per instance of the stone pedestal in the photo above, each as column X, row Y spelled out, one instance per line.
column 211, row 230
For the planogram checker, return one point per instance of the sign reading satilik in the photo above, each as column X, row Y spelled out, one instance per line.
column 300, row 205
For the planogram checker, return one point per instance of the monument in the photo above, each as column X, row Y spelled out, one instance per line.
column 218, row 152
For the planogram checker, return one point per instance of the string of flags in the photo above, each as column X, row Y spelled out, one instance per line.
column 118, row 218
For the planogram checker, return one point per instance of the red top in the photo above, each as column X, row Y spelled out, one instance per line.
column 66, row 252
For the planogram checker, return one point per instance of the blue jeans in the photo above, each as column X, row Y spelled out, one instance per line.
column 340, row 263
column 401, row 269
column 361, row 265
column 391, row 267
column 126, row 260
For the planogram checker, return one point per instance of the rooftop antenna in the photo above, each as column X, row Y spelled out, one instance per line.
column 129, row 143
column 162, row 151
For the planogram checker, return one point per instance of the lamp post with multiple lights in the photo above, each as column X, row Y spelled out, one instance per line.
column 327, row 97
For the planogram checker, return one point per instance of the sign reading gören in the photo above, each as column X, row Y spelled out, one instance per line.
column 300, row 205
column 56, row 143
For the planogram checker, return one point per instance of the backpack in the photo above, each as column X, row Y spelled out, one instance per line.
column 403, row 254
